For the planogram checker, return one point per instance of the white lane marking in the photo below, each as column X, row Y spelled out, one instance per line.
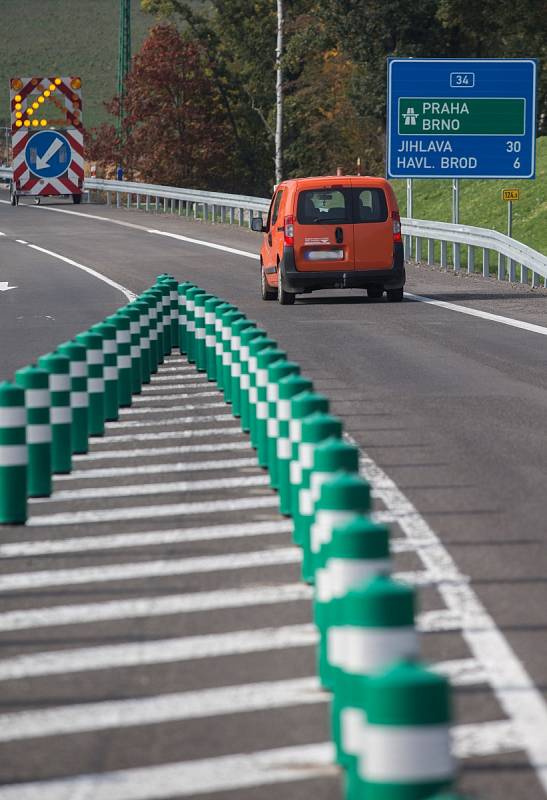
column 245, row 698
column 462, row 672
column 419, row 298
column 115, row 541
column 138, row 607
column 148, row 392
column 171, row 409
column 174, row 421
column 130, row 295
column 212, row 245
column 152, row 512
column 175, row 378
column 513, row 687
column 187, row 368
column 148, row 569
column 186, row 778
column 485, row 739
column 474, row 312
column 157, row 651
column 159, row 469
column 5, row 287
column 2, row 234
column 148, row 452
column 152, row 488
column 21, row 241
column 191, row 434
column 167, row 409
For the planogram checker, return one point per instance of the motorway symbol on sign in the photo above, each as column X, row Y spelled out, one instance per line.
column 48, row 154
column 465, row 118
column 510, row 194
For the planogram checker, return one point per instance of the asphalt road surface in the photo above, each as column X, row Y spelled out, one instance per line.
column 156, row 641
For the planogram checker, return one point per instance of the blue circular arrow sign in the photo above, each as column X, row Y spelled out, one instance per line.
column 48, row 154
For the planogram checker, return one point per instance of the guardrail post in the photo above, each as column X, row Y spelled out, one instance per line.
column 138, row 202
column 205, row 212
column 535, row 280
column 213, row 213
column 128, row 201
column 223, row 214
column 444, row 259
column 147, row 203
column 501, row 267
column 232, row 215
column 118, row 199
column 512, row 270
column 457, row 257
column 108, row 199
column 485, row 262
column 431, row 251
column 418, row 249
column 523, row 274
column 470, row 258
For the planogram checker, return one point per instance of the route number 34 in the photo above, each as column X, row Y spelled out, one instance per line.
column 513, row 146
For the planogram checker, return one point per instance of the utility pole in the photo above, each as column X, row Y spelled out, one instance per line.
column 279, row 96
column 124, row 56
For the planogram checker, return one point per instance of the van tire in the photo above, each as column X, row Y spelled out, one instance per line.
column 265, row 291
column 284, row 298
column 395, row 295
column 375, row 292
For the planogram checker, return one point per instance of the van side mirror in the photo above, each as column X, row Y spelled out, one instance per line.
column 257, row 225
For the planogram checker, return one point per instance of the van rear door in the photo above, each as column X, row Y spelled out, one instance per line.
column 323, row 229
column 373, row 230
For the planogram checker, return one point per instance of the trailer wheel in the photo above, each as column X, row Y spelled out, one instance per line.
column 36, row 201
column 14, row 200
column 76, row 198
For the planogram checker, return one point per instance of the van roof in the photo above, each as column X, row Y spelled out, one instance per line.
column 338, row 179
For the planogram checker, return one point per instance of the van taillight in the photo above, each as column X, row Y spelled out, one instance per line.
column 396, row 226
column 288, row 231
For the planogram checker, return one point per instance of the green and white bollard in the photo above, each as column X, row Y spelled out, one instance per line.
column 330, row 456
column 211, row 306
column 13, row 455
column 35, row 383
column 288, row 388
column 107, row 332
column 228, row 319
column 247, row 336
column 79, row 398
column 199, row 320
column 173, row 285
column 302, row 406
column 151, row 319
column 157, row 297
column 264, row 360
column 371, row 626
column 144, row 342
column 255, row 347
column 165, row 291
column 123, row 357
column 135, row 351
column 219, row 311
column 339, row 500
column 93, row 343
column 58, row 367
column 183, row 288
column 408, row 716
column 276, row 372
column 238, row 327
column 191, row 323
column 314, row 430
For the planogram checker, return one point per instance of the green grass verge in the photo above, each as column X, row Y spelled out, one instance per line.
column 481, row 203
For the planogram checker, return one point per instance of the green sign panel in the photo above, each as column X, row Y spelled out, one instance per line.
column 494, row 116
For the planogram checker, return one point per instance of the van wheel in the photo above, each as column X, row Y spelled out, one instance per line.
column 394, row 295
column 375, row 292
column 76, row 198
column 14, row 200
column 265, row 291
column 284, row 298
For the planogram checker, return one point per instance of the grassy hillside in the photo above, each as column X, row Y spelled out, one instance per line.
column 481, row 203
column 66, row 37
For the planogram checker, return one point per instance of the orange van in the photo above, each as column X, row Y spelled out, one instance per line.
column 331, row 232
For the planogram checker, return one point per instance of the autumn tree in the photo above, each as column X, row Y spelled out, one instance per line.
column 175, row 131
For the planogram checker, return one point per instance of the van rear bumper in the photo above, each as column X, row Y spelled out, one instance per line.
column 391, row 278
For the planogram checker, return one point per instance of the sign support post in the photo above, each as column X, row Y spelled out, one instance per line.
column 456, row 219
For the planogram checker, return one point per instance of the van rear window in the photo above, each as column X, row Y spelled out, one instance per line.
column 320, row 206
column 340, row 206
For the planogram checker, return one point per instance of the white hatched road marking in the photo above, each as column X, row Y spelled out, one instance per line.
column 173, row 409
column 186, row 778
column 152, row 607
column 158, row 469
column 148, row 569
column 174, row 421
column 153, row 398
column 149, row 390
column 158, row 651
column 152, row 512
column 100, row 492
column 147, row 452
column 232, row 430
column 84, row 544
column 166, row 409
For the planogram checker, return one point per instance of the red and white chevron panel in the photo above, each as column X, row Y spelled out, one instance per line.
column 67, row 97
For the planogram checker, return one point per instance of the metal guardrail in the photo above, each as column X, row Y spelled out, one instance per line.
column 424, row 239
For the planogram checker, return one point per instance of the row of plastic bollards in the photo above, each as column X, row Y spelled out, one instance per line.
column 53, row 407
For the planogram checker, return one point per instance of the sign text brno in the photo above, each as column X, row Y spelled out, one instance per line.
column 461, row 118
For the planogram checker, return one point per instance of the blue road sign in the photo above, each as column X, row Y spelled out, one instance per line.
column 464, row 118
column 48, row 154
